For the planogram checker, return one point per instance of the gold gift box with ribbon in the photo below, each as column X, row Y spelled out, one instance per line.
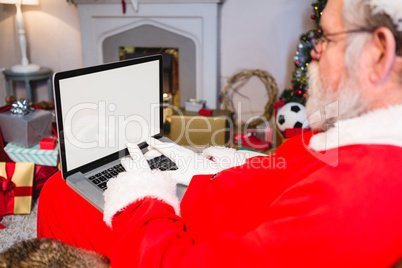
column 190, row 128
column 20, row 196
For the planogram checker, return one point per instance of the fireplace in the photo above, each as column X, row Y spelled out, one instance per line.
column 189, row 26
column 149, row 39
column 170, row 58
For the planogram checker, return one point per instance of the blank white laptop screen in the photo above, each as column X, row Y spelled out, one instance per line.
column 105, row 110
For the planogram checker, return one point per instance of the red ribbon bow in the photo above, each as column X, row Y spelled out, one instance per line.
column 6, row 188
column 6, row 185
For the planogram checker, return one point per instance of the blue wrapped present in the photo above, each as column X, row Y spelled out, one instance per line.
column 33, row 154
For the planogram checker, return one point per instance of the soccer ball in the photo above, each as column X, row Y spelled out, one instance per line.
column 291, row 115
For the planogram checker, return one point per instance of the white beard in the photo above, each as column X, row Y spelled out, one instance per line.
column 325, row 106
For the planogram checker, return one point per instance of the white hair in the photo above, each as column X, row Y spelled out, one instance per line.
column 372, row 14
column 392, row 8
column 355, row 12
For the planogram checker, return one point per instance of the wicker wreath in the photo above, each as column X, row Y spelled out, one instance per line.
column 238, row 80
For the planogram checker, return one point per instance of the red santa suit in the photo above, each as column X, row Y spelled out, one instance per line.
column 330, row 200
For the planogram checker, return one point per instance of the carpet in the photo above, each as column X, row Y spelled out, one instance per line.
column 18, row 228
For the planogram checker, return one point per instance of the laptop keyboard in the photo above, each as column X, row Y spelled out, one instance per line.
column 100, row 179
column 162, row 163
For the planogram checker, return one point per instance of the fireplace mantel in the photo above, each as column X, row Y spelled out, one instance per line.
column 196, row 20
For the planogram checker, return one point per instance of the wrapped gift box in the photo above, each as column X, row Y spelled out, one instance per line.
column 47, row 143
column 189, row 128
column 25, row 130
column 33, row 154
column 251, row 141
column 194, row 105
column 19, row 176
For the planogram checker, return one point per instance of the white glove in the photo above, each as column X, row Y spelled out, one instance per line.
column 211, row 161
column 138, row 182
column 136, row 161
column 188, row 162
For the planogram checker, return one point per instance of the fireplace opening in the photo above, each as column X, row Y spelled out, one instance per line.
column 170, row 67
column 149, row 38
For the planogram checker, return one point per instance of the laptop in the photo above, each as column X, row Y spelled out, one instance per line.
column 99, row 110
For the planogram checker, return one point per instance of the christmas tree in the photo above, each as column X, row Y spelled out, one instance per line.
column 302, row 59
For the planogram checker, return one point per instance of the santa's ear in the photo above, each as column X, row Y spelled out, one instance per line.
column 382, row 53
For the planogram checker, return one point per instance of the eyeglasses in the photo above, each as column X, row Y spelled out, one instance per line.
column 316, row 38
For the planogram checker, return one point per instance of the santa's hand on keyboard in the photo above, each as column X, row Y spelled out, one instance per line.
column 189, row 163
column 137, row 183
column 136, row 161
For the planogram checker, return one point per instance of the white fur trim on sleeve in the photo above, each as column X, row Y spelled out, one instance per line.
column 129, row 187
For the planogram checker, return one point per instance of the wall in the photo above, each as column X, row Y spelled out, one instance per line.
column 52, row 30
column 261, row 35
column 254, row 34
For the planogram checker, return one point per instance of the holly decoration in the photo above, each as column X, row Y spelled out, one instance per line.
column 302, row 59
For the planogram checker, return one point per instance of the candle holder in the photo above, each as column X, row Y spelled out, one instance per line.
column 25, row 66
